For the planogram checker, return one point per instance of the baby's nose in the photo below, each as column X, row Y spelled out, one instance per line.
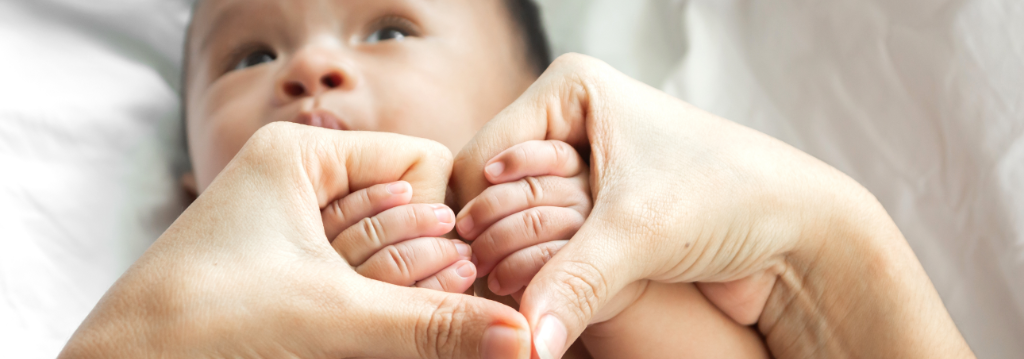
column 300, row 88
column 312, row 73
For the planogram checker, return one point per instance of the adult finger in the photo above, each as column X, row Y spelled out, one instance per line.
column 502, row 200
column 399, row 322
column 347, row 211
column 457, row 278
column 359, row 242
column 534, row 158
column 336, row 163
column 555, row 107
column 575, row 284
column 413, row 260
column 514, row 272
column 521, row 230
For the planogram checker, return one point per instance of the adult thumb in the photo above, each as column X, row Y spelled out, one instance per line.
column 571, row 288
column 402, row 322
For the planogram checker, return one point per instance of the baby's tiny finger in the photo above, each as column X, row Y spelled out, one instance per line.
column 501, row 200
column 534, row 158
column 413, row 260
column 521, row 230
column 369, row 235
column 457, row 278
column 349, row 210
column 515, row 271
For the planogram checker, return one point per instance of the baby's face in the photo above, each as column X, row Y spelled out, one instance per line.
column 437, row 69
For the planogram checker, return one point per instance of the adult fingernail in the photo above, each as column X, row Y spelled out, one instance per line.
column 499, row 342
column 465, row 251
column 550, row 339
column 465, row 225
column 467, row 270
column 444, row 215
column 398, row 188
column 495, row 169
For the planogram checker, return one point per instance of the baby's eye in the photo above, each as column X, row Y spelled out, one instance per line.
column 257, row 57
column 387, row 33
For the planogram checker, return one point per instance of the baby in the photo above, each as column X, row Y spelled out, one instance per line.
column 437, row 69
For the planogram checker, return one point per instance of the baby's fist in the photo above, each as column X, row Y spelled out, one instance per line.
column 539, row 198
column 385, row 238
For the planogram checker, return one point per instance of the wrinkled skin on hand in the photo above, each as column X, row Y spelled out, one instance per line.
column 772, row 235
column 247, row 270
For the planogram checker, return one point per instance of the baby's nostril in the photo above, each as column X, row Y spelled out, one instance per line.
column 331, row 80
column 294, row 89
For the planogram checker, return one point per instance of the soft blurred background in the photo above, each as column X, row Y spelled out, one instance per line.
column 922, row 101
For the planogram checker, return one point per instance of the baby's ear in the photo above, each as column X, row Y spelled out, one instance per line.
column 188, row 183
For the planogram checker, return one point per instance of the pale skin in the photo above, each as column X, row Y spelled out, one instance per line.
column 250, row 269
column 771, row 235
column 411, row 67
column 540, row 193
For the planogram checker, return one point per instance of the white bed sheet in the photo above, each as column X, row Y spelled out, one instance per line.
column 89, row 143
column 919, row 100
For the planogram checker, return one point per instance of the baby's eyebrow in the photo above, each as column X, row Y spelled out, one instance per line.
column 224, row 15
column 220, row 17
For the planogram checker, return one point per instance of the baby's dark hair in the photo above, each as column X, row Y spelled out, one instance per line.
column 526, row 16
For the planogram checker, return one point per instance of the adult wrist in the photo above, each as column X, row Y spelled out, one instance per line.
column 854, row 287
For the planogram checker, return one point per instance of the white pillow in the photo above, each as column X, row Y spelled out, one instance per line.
column 90, row 149
column 922, row 102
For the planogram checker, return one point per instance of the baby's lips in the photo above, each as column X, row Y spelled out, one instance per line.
column 321, row 118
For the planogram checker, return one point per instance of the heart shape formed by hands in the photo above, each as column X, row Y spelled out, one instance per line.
column 678, row 196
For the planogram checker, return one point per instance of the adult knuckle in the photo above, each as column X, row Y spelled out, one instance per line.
column 266, row 141
column 439, row 334
column 585, row 285
column 438, row 153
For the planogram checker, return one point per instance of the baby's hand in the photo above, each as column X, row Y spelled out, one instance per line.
column 539, row 198
column 385, row 238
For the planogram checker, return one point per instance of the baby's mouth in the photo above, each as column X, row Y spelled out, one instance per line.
column 321, row 118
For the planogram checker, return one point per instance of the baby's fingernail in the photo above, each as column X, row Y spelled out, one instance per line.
column 444, row 215
column 500, row 342
column 466, row 270
column 465, row 225
column 398, row 188
column 495, row 169
column 550, row 339
column 465, row 251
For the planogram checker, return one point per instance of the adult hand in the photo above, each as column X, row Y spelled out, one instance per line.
column 774, row 236
column 247, row 270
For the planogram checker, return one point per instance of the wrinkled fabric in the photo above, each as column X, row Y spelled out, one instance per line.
column 920, row 101
column 90, row 145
